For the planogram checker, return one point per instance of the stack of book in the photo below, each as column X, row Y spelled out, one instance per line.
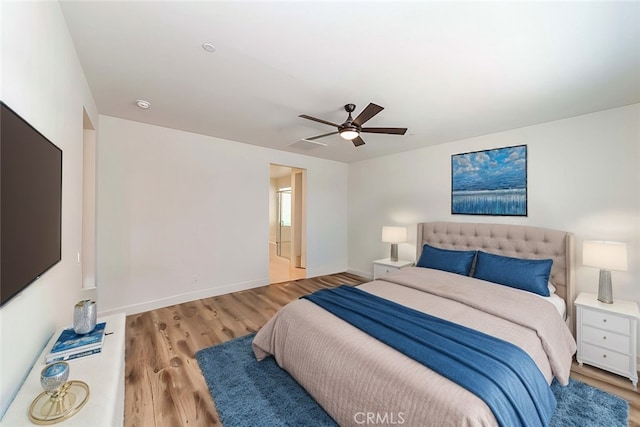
column 70, row 345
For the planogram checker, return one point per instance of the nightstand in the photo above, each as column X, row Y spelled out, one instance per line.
column 382, row 267
column 607, row 335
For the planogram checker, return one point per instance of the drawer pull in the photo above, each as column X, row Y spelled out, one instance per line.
column 604, row 320
column 604, row 355
column 604, row 337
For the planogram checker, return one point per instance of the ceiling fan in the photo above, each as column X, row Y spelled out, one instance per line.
column 352, row 128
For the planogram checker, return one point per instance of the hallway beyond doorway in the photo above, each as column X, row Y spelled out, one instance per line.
column 280, row 269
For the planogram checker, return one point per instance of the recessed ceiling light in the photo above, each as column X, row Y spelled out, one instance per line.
column 208, row 47
column 143, row 104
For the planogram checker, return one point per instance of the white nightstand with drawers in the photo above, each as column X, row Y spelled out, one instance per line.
column 607, row 335
column 382, row 267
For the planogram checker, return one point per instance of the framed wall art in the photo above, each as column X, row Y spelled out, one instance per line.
column 490, row 182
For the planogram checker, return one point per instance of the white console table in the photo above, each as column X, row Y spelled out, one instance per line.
column 103, row 373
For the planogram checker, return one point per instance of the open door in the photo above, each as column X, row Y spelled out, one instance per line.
column 298, row 214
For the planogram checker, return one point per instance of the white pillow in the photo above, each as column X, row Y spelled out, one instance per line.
column 552, row 289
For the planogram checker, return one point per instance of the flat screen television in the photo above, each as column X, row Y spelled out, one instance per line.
column 30, row 204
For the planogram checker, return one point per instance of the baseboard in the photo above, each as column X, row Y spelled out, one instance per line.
column 366, row 274
column 186, row 297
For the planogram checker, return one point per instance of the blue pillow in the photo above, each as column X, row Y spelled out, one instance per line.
column 458, row 262
column 527, row 274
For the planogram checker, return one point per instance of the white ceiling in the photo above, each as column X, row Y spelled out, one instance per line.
column 444, row 70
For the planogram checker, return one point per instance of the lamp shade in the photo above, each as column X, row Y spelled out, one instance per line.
column 394, row 234
column 604, row 255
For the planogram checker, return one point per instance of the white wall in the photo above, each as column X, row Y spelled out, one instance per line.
column 183, row 216
column 583, row 176
column 42, row 81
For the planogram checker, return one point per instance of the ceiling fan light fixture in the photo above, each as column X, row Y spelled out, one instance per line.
column 351, row 128
column 349, row 134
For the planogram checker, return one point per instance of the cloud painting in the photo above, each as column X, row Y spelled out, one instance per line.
column 490, row 182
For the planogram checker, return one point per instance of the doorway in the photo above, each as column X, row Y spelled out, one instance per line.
column 287, row 228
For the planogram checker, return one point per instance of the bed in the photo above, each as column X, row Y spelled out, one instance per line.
column 357, row 379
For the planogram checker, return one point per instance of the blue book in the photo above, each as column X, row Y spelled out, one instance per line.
column 70, row 342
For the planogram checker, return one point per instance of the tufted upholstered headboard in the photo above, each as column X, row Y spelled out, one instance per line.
column 510, row 240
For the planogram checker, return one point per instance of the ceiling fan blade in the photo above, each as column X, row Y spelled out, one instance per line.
column 392, row 131
column 321, row 136
column 371, row 110
column 304, row 116
column 357, row 141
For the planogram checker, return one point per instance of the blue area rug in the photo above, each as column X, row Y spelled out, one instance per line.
column 251, row 393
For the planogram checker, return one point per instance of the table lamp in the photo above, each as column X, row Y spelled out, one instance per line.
column 606, row 256
column 394, row 235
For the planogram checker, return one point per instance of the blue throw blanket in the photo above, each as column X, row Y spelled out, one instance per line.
column 498, row 372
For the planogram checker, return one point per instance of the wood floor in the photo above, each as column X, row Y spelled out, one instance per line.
column 164, row 386
column 280, row 268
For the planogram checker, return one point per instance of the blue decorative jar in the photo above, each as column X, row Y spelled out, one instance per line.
column 54, row 375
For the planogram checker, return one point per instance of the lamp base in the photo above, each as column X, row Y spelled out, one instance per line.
column 605, row 293
column 394, row 252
